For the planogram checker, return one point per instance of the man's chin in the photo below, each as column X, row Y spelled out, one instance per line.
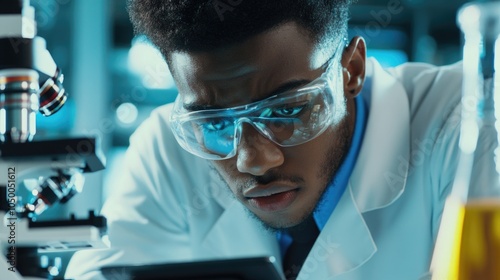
column 278, row 222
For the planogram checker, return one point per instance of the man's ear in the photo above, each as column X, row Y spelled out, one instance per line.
column 353, row 66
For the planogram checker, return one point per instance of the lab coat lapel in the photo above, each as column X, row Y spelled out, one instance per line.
column 379, row 176
column 344, row 244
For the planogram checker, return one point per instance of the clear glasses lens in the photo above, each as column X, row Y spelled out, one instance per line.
column 287, row 120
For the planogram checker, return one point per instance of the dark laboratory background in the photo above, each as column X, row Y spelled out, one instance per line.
column 116, row 79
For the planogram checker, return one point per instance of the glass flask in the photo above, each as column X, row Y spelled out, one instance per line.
column 468, row 244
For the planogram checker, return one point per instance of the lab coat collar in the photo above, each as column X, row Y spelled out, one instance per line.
column 344, row 244
column 379, row 176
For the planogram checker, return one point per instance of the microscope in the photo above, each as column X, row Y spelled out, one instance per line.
column 49, row 171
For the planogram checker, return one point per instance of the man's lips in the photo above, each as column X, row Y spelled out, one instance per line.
column 271, row 198
column 267, row 190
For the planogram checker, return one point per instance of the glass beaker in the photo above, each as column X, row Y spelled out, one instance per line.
column 470, row 227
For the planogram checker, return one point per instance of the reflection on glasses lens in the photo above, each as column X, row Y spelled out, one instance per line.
column 216, row 136
column 288, row 119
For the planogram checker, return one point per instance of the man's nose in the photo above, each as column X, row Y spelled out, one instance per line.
column 257, row 154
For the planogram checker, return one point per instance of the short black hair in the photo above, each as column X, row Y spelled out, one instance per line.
column 204, row 25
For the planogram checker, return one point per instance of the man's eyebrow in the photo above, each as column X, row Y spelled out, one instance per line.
column 293, row 84
column 193, row 107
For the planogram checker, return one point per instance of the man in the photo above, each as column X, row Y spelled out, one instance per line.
column 283, row 133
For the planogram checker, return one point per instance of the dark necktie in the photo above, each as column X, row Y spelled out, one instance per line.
column 303, row 238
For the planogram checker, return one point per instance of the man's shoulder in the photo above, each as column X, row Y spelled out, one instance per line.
column 419, row 76
column 156, row 124
column 427, row 67
column 430, row 87
column 154, row 137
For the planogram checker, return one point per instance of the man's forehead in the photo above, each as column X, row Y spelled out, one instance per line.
column 270, row 58
column 281, row 44
column 211, row 66
column 199, row 75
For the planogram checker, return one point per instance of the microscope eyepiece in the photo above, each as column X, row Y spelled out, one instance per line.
column 30, row 80
column 18, row 104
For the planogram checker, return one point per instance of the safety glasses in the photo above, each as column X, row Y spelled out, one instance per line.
column 287, row 119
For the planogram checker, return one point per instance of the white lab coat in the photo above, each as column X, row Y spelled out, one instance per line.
column 170, row 206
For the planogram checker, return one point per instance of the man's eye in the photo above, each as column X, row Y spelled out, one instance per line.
column 217, row 125
column 288, row 111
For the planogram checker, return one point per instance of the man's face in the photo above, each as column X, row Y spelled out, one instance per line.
column 281, row 186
